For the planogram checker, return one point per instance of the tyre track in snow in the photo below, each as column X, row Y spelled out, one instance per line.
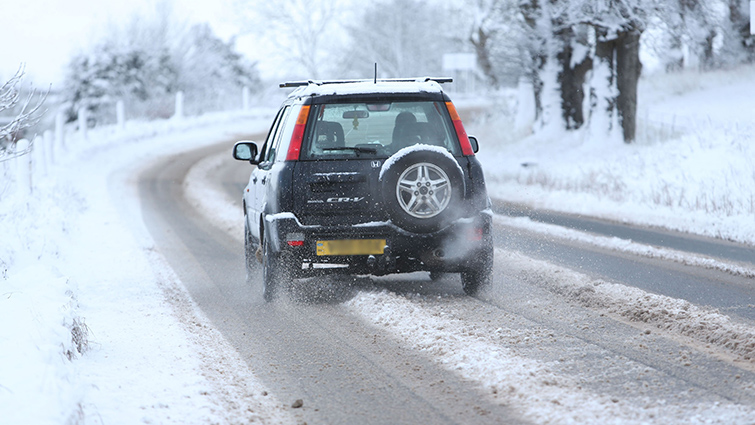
column 306, row 346
column 550, row 373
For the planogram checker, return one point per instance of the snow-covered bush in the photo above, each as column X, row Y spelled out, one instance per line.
column 148, row 62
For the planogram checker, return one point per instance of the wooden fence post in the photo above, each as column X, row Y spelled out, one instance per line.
column 120, row 114
column 49, row 147
column 179, row 112
column 60, row 137
column 23, row 169
column 38, row 162
column 245, row 98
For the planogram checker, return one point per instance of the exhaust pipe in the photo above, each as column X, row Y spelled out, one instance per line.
column 439, row 253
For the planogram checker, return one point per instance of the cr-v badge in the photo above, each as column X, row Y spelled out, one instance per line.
column 354, row 199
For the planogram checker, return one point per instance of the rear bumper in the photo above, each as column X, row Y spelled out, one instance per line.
column 455, row 248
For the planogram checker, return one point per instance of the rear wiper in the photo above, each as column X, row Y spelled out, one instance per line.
column 357, row 149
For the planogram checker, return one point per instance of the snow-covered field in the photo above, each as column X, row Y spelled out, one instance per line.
column 100, row 322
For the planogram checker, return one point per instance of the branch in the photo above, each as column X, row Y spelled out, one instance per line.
column 9, row 98
column 8, row 93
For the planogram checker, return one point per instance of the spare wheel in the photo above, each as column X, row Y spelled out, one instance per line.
column 422, row 188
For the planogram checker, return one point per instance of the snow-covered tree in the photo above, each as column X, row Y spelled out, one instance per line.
column 572, row 38
column 738, row 27
column 689, row 29
column 148, row 61
column 210, row 71
column 491, row 29
column 305, row 34
column 113, row 71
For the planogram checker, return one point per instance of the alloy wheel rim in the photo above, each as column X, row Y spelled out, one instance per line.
column 423, row 190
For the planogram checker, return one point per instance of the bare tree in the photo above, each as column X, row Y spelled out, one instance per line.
column 690, row 24
column 303, row 32
column 28, row 113
column 391, row 34
column 493, row 28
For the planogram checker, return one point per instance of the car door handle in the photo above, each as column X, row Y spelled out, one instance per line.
column 254, row 180
column 263, row 179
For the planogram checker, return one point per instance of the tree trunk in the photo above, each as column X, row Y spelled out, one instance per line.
column 535, row 48
column 482, row 52
column 628, row 69
column 571, row 79
column 603, row 90
column 740, row 22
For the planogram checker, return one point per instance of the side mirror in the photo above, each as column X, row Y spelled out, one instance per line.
column 475, row 144
column 246, row 150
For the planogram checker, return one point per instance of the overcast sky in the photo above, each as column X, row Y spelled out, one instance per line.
column 44, row 34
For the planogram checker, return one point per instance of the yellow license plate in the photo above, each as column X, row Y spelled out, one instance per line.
column 351, row 247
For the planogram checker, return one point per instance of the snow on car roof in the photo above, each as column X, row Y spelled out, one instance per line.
column 367, row 87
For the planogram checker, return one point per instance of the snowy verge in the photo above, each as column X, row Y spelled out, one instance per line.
column 625, row 245
column 703, row 327
column 40, row 322
column 77, row 260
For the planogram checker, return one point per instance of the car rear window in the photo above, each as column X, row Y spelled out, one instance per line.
column 376, row 130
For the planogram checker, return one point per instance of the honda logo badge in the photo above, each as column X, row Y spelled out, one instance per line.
column 375, row 164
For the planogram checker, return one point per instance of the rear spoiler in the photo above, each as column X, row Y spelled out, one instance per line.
column 439, row 80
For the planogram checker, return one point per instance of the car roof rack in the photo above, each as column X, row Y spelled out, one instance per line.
column 439, row 80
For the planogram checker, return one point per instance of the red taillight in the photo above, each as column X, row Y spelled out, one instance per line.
column 294, row 148
column 475, row 234
column 466, row 147
column 295, row 239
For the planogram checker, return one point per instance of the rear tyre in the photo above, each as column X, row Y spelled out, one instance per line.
column 250, row 258
column 478, row 277
column 274, row 273
column 474, row 281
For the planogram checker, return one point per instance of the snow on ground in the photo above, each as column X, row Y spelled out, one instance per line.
column 482, row 353
column 103, row 330
column 211, row 201
column 692, row 168
column 704, row 326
